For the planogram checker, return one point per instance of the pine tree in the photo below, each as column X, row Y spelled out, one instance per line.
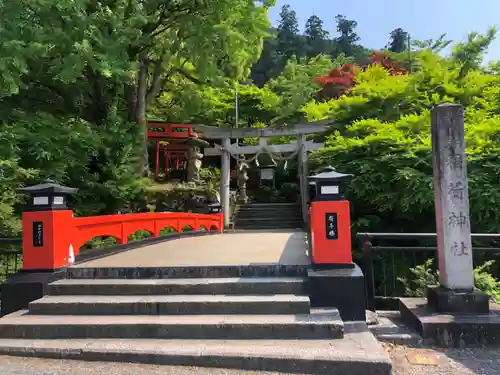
column 346, row 42
column 288, row 40
column 316, row 37
column 399, row 41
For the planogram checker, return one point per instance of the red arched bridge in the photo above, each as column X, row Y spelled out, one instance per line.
column 122, row 226
column 53, row 238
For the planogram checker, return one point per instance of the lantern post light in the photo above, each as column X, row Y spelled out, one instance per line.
column 47, row 248
column 330, row 219
column 336, row 281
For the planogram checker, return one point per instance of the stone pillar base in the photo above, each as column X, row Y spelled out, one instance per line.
column 443, row 300
column 26, row 286
column 342, row 287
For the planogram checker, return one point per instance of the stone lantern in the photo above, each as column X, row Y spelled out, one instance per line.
column 195, row 158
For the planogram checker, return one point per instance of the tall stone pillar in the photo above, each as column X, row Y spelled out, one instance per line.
column 456, row 292
column 225, row 180
column 303, row 173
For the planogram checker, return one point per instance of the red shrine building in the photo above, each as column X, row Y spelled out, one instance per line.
column 170, row 145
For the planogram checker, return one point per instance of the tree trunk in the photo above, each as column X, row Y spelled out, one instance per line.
column 140, row 111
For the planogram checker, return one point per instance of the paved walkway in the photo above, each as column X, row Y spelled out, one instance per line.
column 248, row 248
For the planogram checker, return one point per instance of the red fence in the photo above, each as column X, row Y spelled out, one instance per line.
column 51, row 239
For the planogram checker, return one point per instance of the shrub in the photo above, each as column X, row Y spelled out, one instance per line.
column 424, row 275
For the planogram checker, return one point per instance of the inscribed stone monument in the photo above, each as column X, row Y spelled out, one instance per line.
column 451, row 198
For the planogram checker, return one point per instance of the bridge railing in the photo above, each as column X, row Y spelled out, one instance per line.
column 123, row 225
column 386, row 259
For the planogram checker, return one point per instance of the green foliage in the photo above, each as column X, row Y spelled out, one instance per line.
column 77, row 77
column 289, row 192
column 382, row 136
column 425, row 274
column 398, row 41
column 316, row 36
column 295, row 86
column 216, row 105
column 422, row 276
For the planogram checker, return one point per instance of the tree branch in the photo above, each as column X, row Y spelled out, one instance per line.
column 155, row 90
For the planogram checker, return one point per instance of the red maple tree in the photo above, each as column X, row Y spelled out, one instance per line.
column 381, row 58
column 340, row 80
column 337, row 82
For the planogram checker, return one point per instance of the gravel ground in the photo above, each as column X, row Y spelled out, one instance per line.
column 432, row 362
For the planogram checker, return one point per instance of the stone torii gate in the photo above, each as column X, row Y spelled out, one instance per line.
column 226, row 149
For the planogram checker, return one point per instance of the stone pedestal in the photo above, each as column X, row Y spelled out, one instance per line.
column 26, row 286
column 342, row 288
column 443, row 300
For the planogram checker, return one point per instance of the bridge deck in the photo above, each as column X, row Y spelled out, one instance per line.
column 251, row 248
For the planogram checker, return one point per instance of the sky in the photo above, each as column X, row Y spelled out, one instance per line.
column 423, row 19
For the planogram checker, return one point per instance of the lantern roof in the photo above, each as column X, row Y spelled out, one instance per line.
column 329, row 173
column 48, row 187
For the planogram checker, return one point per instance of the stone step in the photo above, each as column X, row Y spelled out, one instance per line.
column 279, row 216
column 320, row 324
column 229, row 286
column 182, row 272
column 268, row 220
column 267, row 211
column 269, row 225
column 172, row 304
column 272, row 215
column 358, row 354
column 269, row 205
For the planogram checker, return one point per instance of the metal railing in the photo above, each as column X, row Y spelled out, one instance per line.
column 386, row 259
column 11, row 257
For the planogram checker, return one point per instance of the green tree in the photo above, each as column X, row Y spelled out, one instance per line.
column 296, row 85
column 381, row 135
column 398, row 41
column 469, row 54
column 193, row 103
column 288, row 40
column 112, row 60
column 316, row 37
column 268, row 65
column 346, row 42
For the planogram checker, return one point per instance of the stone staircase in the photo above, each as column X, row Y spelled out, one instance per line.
column 224, row 320
column 255, row 216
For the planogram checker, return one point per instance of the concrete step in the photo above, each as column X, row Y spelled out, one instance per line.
column 358, row 354
column 320, row 324
column 172, row 304
column 182, row 272
column 234, row 285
